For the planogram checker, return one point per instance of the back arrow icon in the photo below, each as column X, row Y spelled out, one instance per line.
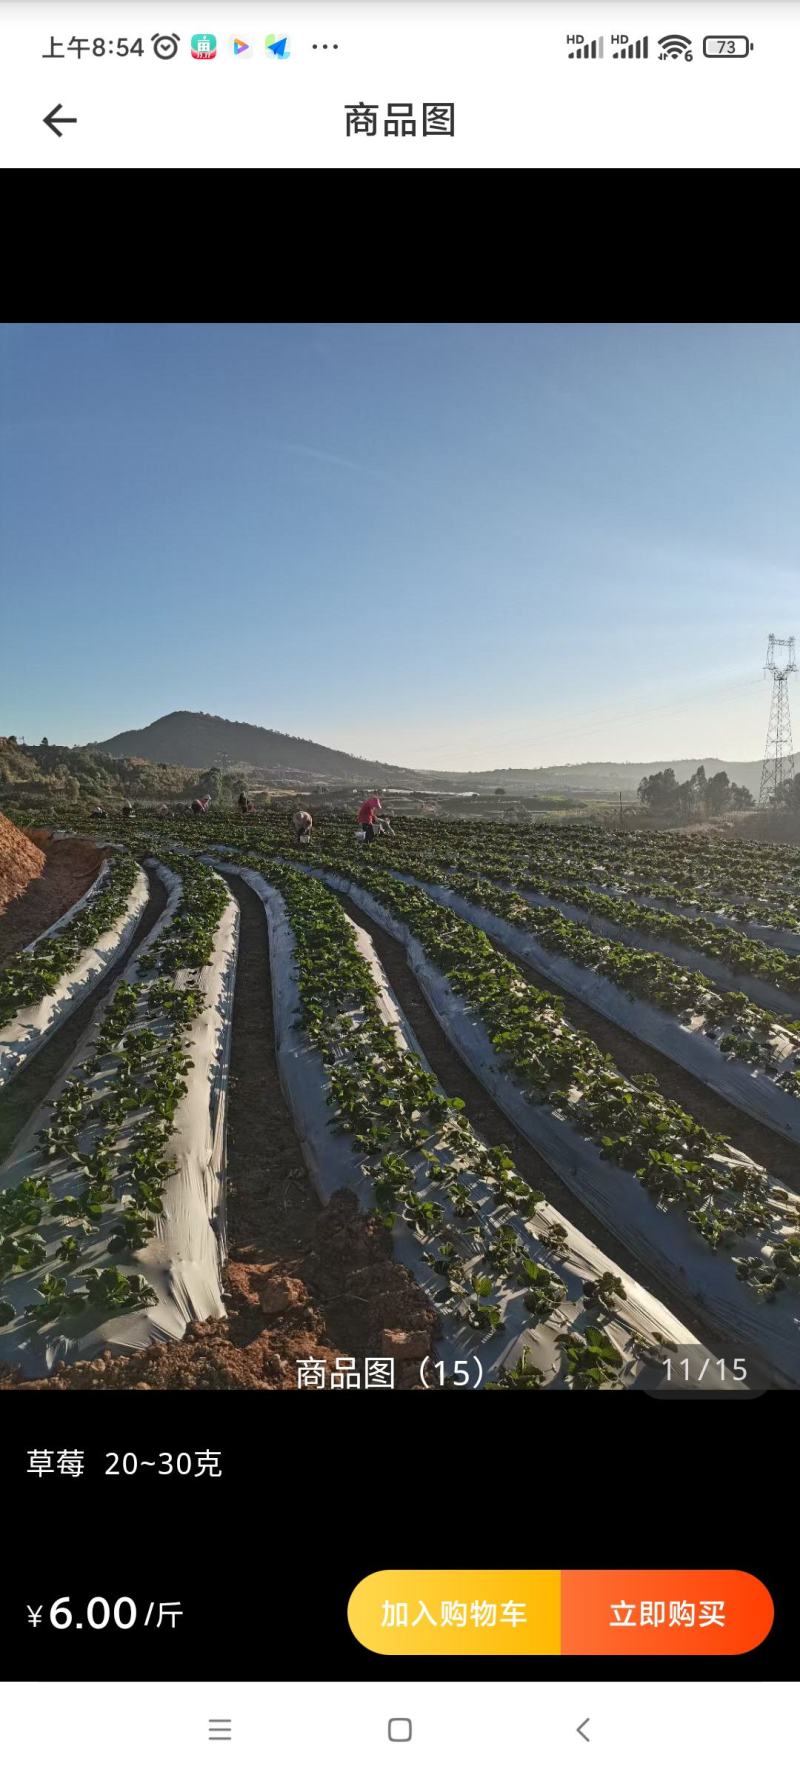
column 581, row 1727
column 49, row 120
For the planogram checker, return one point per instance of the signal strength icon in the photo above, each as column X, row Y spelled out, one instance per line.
column 588, row 51
column 674, row 47
column 633, row 51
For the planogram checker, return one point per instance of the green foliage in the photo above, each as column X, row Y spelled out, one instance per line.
column 523, row 1375
column 696, row 796
column 607, row 1291
column 47, row 774
column 592, row 1360
column 544, row 1289
column 106, row 1291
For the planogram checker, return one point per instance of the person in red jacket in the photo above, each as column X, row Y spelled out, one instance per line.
column 366, row 816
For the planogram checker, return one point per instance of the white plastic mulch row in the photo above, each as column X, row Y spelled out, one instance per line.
column 749, row 1328
column 182, row 1262
column 780, row 937
column 684, row 1040
column 31, row 1026
column 763, row 993
column 334, row 1164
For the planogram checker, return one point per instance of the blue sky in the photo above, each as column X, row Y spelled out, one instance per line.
column 457, row 545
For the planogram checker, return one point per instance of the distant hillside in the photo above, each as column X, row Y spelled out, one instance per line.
column 608, row 778
column 191, row 738
column 51, row 773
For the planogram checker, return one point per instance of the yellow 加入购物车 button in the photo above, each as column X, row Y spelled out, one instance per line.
column 468, row 1611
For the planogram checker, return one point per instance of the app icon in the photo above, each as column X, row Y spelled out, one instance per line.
column 204, row 47
column 278, row 46
column 240, row 48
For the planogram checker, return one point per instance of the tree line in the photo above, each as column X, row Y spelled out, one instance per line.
column 697, row 796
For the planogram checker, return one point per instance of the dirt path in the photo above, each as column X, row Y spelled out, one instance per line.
column 332, row 1269
column 31, row 1085
column 70, row 867
column 495, row 1128
column 301, row 1281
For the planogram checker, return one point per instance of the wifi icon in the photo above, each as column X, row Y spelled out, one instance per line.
column 674, row 47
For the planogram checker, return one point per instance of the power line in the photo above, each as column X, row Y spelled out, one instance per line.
column 601, row 721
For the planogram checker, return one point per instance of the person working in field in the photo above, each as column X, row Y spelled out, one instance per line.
column 366, row 816
column 302, row 824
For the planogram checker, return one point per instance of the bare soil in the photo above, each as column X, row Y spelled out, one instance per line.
column 46, row 889
column 20, row 862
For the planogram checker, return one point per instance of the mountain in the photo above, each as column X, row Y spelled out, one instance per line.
column 193, row 739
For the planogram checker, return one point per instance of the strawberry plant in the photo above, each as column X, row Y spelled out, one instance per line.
column 523, row 1375
column 544, row 1289
column 505, row 1251
column 607, row 1291
column 20, row 1253
column 134, row 1230
column 423, row 1213
column 592, row 1360
column 554, row 1237
column 447, row 1262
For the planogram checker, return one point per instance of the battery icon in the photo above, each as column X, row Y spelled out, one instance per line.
column 722, row 47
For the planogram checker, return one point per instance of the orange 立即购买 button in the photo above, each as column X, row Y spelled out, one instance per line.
column 662, row 1611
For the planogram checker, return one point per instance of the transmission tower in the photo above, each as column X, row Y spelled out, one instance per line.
column 778, row 767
